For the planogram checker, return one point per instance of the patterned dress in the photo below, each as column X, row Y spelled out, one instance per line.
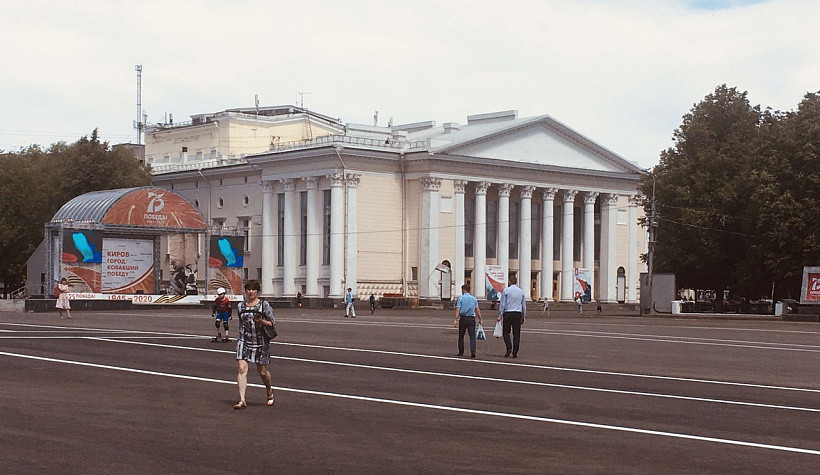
column 251, row 344
column 62, row 300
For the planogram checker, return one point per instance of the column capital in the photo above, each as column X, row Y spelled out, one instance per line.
column 481, row 187
column 635, row 200
column 504, row 189
column 430, row 183
column 336, row 180
column 267, row 186
column 589, row 197
column 289, row 184
column 569, row 195
column 352, row 180
column 610, row 199
column 548, row 194
column 460, row 185
column 311, row 182
column 526, row 191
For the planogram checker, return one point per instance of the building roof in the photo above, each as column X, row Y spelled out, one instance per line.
column 91, row 206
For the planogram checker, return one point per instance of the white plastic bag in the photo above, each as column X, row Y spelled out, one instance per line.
column 479, row 333
column 497, row 330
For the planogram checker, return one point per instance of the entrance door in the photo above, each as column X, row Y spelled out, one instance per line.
column 620, row 290
column 534, row 286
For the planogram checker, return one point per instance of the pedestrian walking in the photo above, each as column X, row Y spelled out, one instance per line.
column 61, row 292
column 252, row 344
column 546, row 307
column 350, row 310
column 512, row 309
column 222, row 313
column 372, row 304
column 466, row 311
column 580, row 304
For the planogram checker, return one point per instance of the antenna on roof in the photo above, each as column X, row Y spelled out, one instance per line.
column 302, row 99
column 376, row 119
column 139, row 124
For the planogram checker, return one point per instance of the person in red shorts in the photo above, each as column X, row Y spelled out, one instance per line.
column 222, row 313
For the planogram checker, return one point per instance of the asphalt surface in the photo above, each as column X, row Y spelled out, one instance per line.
column 140, row 391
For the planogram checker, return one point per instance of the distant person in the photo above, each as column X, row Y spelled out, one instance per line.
column 512, row 309
column 600, row 309
column 580, row 304
column 546, row 307
column 299, row 298
column 372, row 304
column 61, row 292
column 466, row 311
column 350, row 310
column 222, row 313
column 252, row 345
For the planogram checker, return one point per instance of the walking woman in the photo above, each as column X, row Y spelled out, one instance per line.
column 62, row 298
column 252, row 345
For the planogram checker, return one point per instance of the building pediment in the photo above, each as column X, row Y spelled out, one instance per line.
column 540, row 141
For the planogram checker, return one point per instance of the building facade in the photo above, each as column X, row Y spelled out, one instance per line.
column 418, row 209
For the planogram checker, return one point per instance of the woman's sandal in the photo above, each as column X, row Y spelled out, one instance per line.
column 240, row 405
column 271, row 400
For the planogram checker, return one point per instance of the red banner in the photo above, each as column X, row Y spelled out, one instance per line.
column 154, row 207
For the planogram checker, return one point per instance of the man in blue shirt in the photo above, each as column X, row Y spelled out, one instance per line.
column 349, row 308
column 466, row 311
column 512, row 308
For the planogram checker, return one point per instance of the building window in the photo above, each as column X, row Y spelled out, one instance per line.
column 492, row 228
column 535, row 231
column 172, row 186
column 219, row 224
column 622, row 216
column 414, row 273
column 303, row 232
column 259, row 274
column 220, row 182
column 515, row 222
column 469, row 226
column 220, row 203
column 246, row 200
column 196, row 203
column 280, row 228
column 245, row 274
column 326, row 228
column 245, row 226
column 246, row 179
column 196, row 184
column 446, row 204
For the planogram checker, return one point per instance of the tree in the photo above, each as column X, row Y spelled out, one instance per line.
column 736, row 196
column 703, row 227
column 34, row 184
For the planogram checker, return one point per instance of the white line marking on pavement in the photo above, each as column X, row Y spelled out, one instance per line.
column 477, row 378
column 507, row 415
column 504, row 363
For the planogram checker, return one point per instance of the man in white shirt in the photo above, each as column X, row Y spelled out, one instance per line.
column 512, row 308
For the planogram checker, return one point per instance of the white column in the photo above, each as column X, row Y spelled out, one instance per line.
column 290, row 241
column 337, row 243
column 313, row 258
column 480, row 239
column 525, row 240
column 632, row 254
column 567, row 263
column 589, row 237
column 547, row 230
column 268, row 242
column 428, row 238
column 504, row 226
column 458, row 257
column 608, row 271
column 351, row 268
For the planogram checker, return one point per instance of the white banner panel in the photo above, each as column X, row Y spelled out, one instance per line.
column 127, row 265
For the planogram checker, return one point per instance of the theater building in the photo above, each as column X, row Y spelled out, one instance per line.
column 418, row 209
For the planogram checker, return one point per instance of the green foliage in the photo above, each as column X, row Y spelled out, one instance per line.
column 34, row 184
column 736, row 196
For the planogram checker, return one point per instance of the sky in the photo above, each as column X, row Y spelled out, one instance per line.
column 621, row 72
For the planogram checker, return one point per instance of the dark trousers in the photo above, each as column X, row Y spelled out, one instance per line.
column 512, row 321
column 466, row 324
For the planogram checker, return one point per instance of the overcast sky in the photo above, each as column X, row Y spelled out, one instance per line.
column 620, row 72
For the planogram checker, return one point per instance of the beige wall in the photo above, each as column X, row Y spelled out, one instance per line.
column 379, row 224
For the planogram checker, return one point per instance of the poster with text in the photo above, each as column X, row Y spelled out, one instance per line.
column 128, row 266
column 582, row 284
column 810, row 293
column 496, row 280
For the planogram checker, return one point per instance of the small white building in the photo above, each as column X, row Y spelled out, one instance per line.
column 393, row 209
